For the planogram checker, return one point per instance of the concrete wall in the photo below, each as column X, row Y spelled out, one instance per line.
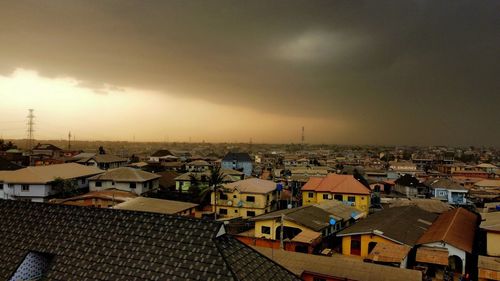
column 493, row 244
column 452, row 251
column 362, row 202
column 234, row 208
column 365, row 240
column 140, row 187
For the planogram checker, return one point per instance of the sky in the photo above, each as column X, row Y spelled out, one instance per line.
column 351, row 72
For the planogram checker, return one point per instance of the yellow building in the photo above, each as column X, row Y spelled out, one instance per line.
column 397, row 225
column 245, row 198
column 343, row 188
column 303, row 227
column 491, row 225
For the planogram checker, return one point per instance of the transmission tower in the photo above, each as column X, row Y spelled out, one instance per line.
column 69, row 140
column 303, row 136
column 31, row 129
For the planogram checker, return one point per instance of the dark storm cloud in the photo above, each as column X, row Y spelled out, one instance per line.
column 396, row 71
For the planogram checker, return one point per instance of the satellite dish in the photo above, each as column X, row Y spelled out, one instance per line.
column 229, row 203
column 332, row 221
column 240, row 204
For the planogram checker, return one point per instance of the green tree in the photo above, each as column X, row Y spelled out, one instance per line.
column 64, row 186
column 214, row 186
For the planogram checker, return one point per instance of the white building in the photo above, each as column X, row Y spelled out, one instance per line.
column 36, row 183
column 126, row 179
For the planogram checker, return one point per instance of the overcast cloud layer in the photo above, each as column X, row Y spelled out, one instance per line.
column 415, row 72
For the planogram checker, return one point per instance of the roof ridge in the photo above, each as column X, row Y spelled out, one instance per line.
column 450, row 224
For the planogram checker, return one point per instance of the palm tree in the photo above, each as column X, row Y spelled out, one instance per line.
column 214, row 185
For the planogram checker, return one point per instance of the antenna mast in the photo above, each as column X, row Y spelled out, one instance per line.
column 69, row 140
column 303, row 135
column 31, row 129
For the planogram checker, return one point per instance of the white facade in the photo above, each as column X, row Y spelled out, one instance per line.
column 135, row 187
column 452, row 251
column 32, row 192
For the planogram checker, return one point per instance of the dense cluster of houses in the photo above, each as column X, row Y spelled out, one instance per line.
column 306, row 214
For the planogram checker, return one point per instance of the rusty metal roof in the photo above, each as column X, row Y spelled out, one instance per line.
column 456, row 227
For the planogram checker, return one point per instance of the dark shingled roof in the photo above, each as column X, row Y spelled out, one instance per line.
column 161, row 153
column 237, row 156
column 6, row 165
column 106, row 244
column 402, row 224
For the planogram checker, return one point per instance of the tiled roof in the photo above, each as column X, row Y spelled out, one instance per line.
column 444, row 183
column 240, row 157
column 339, row 267
column 402, row 224
column 252, row 185
column 336, row 184
column 161, row 153
column 107, row 244
column 456, row 227
column 154, row 205
column 46, row 174
column 315, row 217
column 103, row 158
column 125, row 174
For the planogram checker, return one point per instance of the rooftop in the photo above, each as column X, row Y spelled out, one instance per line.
column 402, row 224
column 46, row 174
column 336, row 184
column 252, row 185
column 456, row 227
column 338, row 266
column 125, row 174
column 108, row 244
column 314, row 217
column 153, row 205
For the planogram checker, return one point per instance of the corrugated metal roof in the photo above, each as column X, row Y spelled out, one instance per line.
column 456, row 227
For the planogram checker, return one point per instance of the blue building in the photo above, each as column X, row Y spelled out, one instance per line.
column 240, row 161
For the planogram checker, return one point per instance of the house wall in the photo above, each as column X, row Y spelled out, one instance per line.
column 362, row 202
column 452, row 251
column 365, row 240
column 274, row 244
column 246, row 166
column 493, row 244
column 234, row 208
column 140, row 187
column 273, row 224
column 14, row 191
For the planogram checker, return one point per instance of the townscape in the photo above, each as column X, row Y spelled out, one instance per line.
column 314, row 212
column 262, row 140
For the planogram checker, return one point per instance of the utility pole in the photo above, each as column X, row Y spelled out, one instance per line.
column 31, row 129
column 281, row 231
column 303, row 138
column 69, row 140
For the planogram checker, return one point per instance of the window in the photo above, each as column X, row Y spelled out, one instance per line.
column 250, row 214
column 82, row 181
column 356, row 245
column 265, row 230
column 319, row 279
column 325, row 196
column 310, row 194
column 1, row 186
column 351, row 198
column 112, row 183
column 25, row 187
column 132, row 185
column 98, row 183
column 250, row 198
column 234, row 196
column 236, row 210
column 223, row 211
column 338, row 197
column 223, row 196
